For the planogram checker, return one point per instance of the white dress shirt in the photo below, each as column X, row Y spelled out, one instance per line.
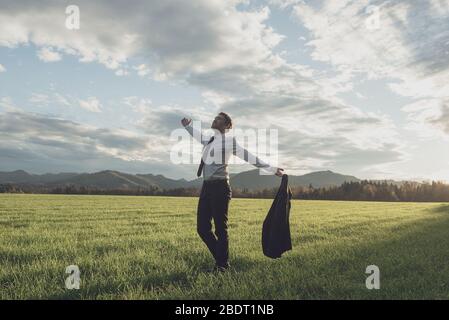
column 216, row 154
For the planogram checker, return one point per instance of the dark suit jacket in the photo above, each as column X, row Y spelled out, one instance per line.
column 276, row 228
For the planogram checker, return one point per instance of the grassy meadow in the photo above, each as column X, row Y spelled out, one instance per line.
column 130, row 247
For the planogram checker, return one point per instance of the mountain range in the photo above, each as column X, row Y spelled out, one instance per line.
column 110, row 179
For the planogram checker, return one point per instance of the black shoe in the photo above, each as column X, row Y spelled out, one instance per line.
column 223, row 268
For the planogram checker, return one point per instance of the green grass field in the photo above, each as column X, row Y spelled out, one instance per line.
column 147, row 248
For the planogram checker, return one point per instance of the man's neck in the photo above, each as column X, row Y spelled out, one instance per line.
column 219, row 132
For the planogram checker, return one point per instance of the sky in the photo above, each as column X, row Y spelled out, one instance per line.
column 355, row 87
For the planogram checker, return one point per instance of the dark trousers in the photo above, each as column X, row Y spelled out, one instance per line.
column 213, row 204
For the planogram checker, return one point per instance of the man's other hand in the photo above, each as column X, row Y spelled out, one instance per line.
column 279, row 172
column 185, row 121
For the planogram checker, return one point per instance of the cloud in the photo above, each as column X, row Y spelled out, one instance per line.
column 409, row 49
column 173, row 34
column 442, row 121
column 142, row 70
column 122, row 72
column 428, row 118
column 405, row 46
column 164, row 119
column 99, row 39
column 39, row 98
column 60, row 99
column 47, row 144
column 92, row 104
column 74, row 138
column 229, row 54
column 43, row 99
column 48, row 55
column 2, row 68
column 288, row 98
column 161, row 120
column 139, row 105
column 7, row 104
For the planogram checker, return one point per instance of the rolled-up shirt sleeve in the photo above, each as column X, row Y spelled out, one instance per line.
column 247, row 156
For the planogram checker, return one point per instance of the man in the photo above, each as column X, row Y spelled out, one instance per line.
column 216, row 191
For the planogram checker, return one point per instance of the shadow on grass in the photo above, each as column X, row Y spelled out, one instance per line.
column 19, row 258
column 66, row 295
column 441, row 209
column 412, row 258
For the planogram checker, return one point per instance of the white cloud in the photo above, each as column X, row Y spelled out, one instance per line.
column 92, row 104
column 122, row 72
column 142, row 70
column 409, row 50
column 173, row 34
column 139, row 105
column 39, row 98
column 8, row 105
column 410, row 46
column 60, row 99
column 46, row 99
column 48, row 55
column 37, row 140
column 229, row 54
column 99, row 39
column 284, row 3
column 2, row 68
column 428, row 118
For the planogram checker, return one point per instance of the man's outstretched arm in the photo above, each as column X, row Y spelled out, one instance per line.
column 244, row 154
column 195, row 133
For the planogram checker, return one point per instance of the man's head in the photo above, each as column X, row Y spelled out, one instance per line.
column 222, row 122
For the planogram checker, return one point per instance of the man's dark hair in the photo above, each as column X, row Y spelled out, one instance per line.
column 227, row 118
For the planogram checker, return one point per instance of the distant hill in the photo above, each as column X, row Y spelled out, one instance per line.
column 110, row 179
column 252, row 180
column 107, row 179
column 21, row 176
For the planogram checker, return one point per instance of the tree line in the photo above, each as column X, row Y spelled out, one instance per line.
column 365, row 190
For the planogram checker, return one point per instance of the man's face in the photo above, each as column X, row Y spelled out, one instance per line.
column 219, row 123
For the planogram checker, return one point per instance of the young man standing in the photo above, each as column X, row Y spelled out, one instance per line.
column 216, row 190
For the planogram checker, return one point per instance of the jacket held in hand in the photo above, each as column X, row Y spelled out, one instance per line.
column 276, row 237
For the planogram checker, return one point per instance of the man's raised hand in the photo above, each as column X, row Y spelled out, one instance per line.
column 185, row 121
